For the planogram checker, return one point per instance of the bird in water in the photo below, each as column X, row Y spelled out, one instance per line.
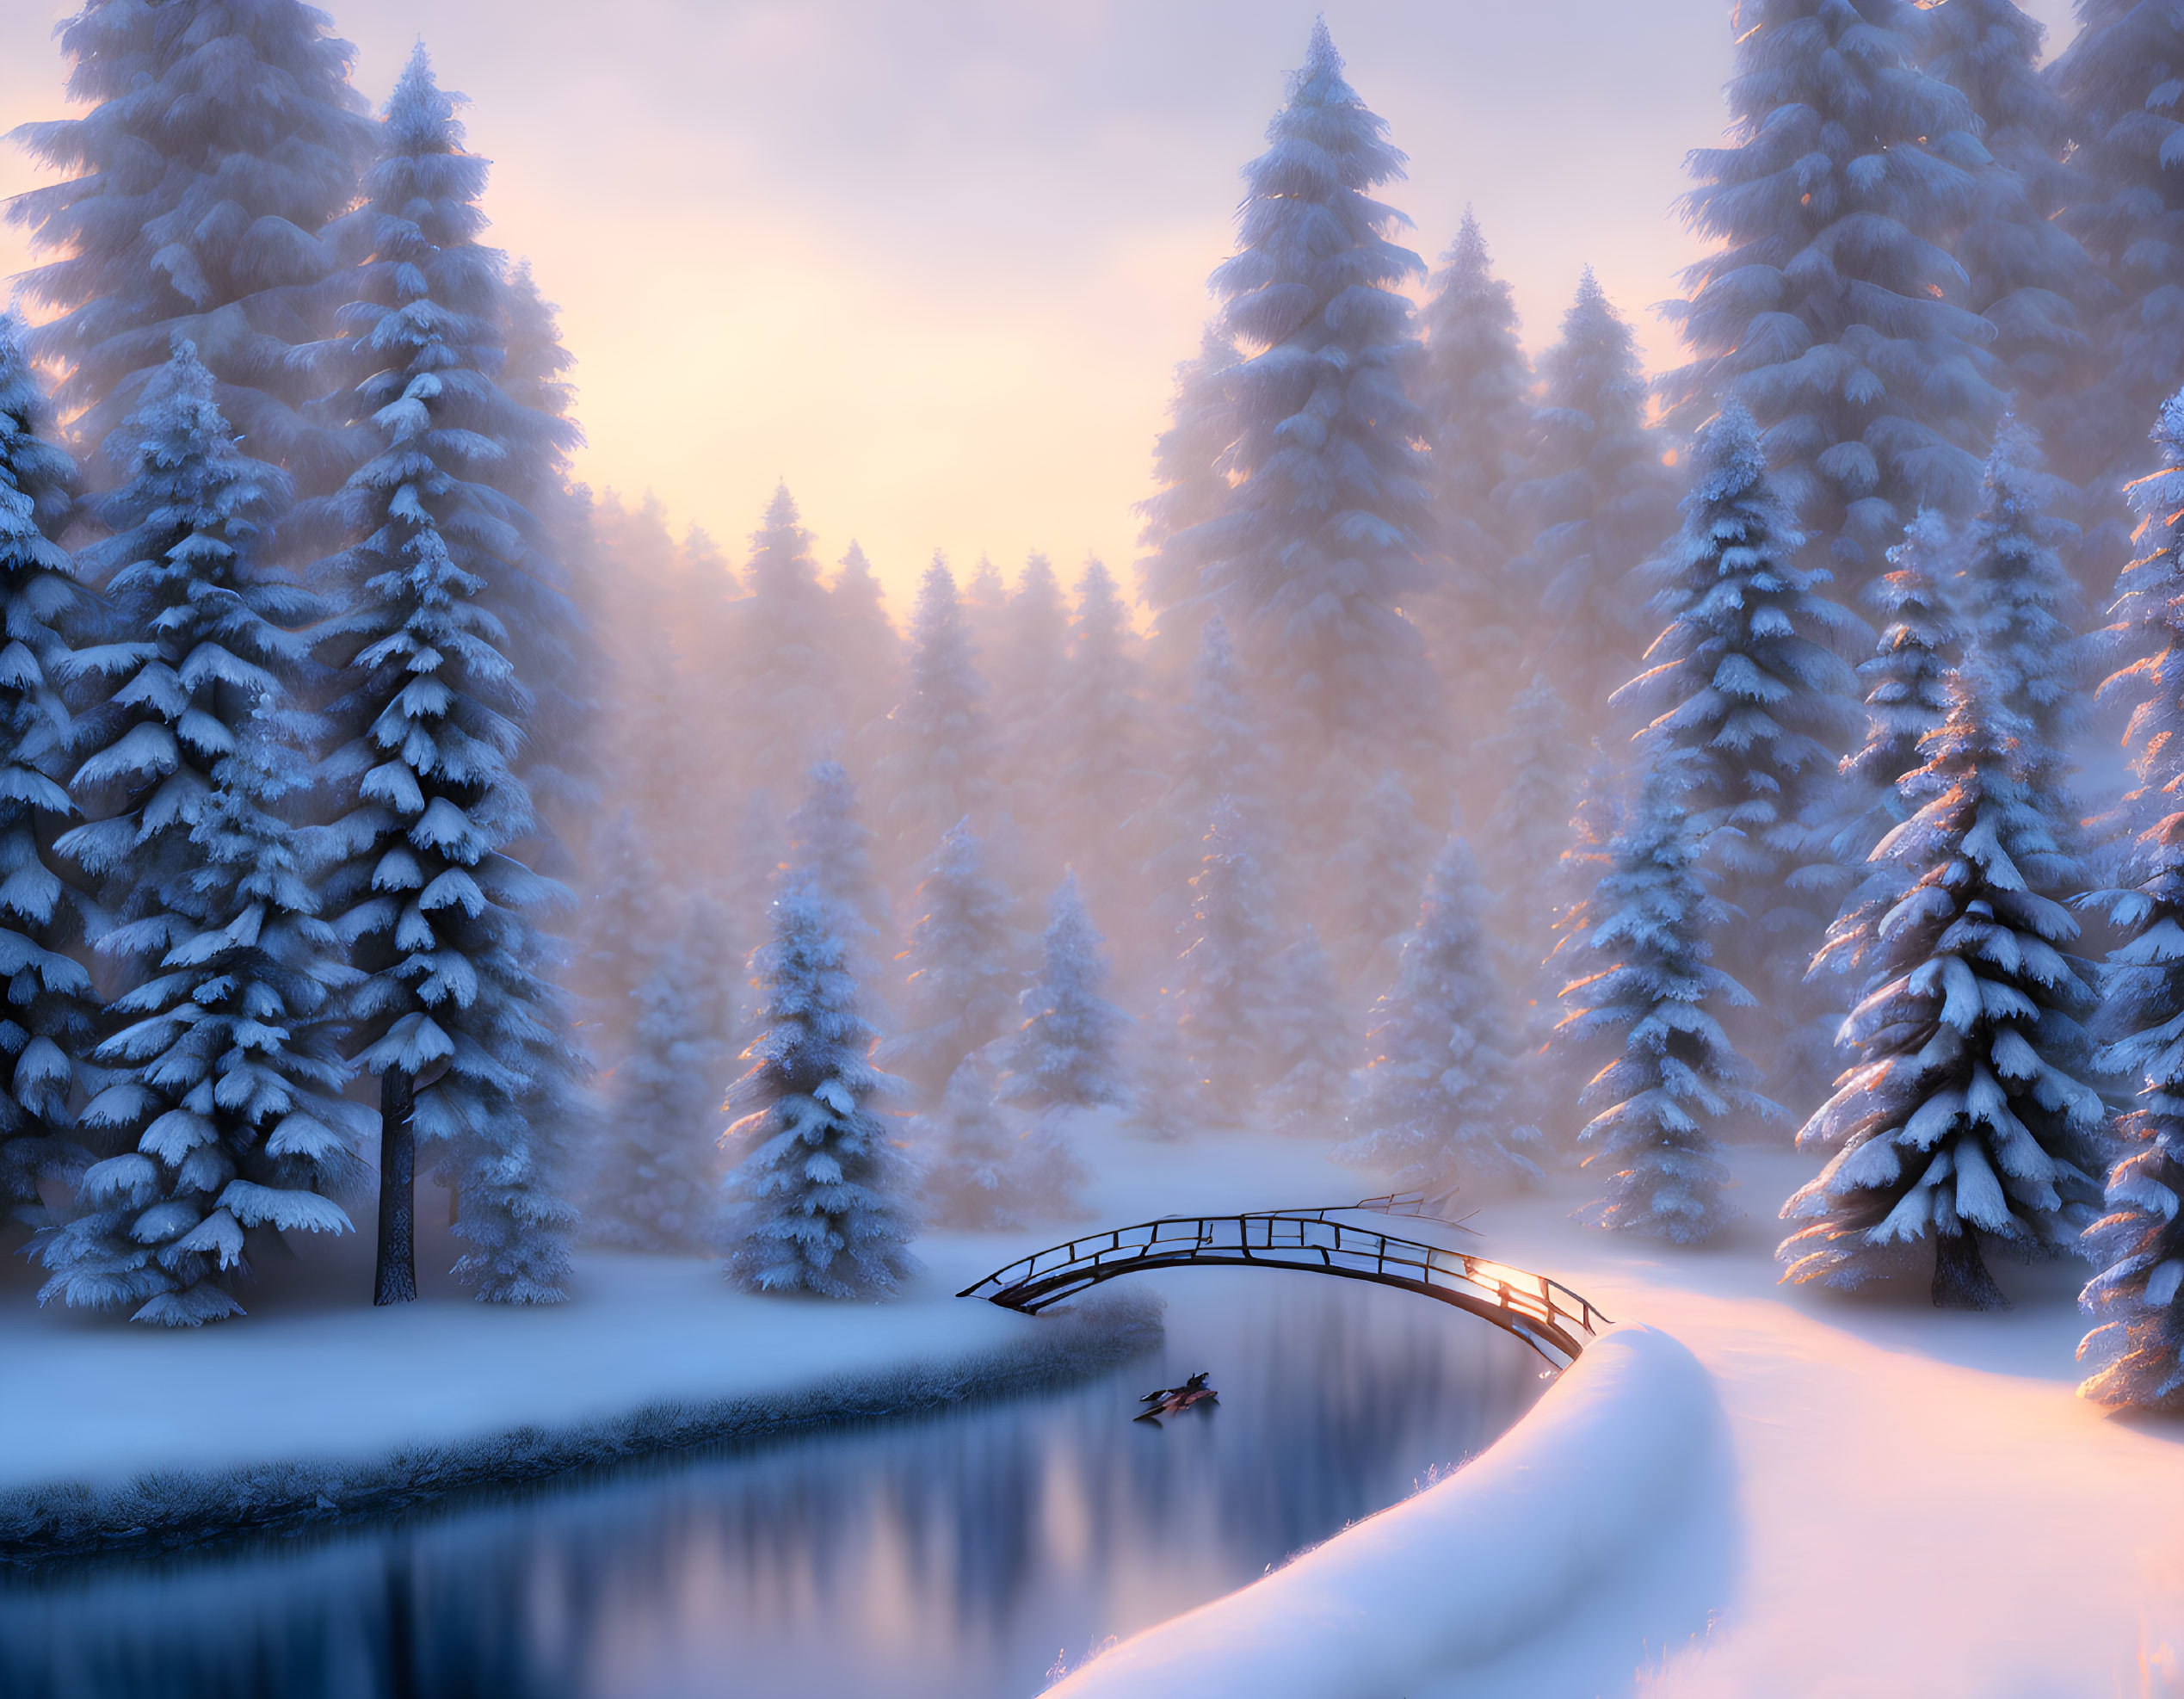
column 1171, row 1400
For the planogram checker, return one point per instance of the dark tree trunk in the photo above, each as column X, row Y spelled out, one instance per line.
column 396, row 1282
column 1960, row 1278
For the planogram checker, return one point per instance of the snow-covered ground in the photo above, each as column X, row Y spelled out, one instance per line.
column 307, row 1408
column 1906, row 1501
column 1915, row 1502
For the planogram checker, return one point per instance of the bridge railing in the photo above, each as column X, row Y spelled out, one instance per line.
column 1295, row 1238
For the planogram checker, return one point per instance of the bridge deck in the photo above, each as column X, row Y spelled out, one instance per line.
column 1546, row 1315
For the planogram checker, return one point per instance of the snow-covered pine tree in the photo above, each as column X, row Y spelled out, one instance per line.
column 225, row 1086
column 868, row 653
column 1595, row 499
column 550, row 612
column 830, row 847
column 941, row 766
column 1475, row 390
column 1312, row 1043
column 2016, row 601
column 1221, row 753
column 1750, row 712
column 657, row 1182
column 1190, row 465
column 1965, row 1117
column 1065, row 1053
column 2027, row 274
column 2125, row 204
column 757, row 848
column 1320, row 543
column 1436, row 1101
column 986, row 1166
column 1538, row 763
column 195, row 628
column 219, row 141
column 1646, row 985
column 816, row 1201
column 470, row 1039
column 225, row 1071
column 1227, row 992
column 986, row 606
column 1167, row 1092
column 50, row 1016
column 1102, row 746
column 2137, row 1344
column 1377, row 876
column 1830, row 306
column 629, row 923
column 1906, row 680
column 784, row 702
column 965, row 973
column 1025, row 666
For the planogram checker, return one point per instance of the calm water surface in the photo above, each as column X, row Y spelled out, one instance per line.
column 957, row 1555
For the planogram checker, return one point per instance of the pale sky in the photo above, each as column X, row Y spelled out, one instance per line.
column 933, row 263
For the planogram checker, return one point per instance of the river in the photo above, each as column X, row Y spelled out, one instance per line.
column 971, row 1554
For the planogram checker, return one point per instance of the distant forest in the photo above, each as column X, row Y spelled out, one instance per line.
column 1503, row 766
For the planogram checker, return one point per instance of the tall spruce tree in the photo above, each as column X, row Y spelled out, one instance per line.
column 964, row 971
column 1831, row 307
column 1437, row 1101
column 869, row 653
column 1227, row 990
column 1221, row 752
column 656, row 1181
column 986, row 1165
column 784, row 702
column 941, row 766
column 455, row 1014
column 1748, row 711
column 1906, row 681
column 2026, row 274
column 549, row 611
column 1965, row 1119
column 1594, row 500
column 830, row 846
column 1379, row 875
column 2125, row 205
column 1026, row 665
column 816, row 1202
column 50, row 1016
column 1103, row 746
column 220, row 142
column 224, row 1080
column 1065, row 1053
column 1321, row 542
column 2136, row 1343
column 1475, row 390
column 1646, row 986
column 2016, row 601
column 1311, row 1041
column 1191, row 464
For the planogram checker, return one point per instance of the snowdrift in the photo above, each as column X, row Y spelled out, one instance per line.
column 1614, row 1484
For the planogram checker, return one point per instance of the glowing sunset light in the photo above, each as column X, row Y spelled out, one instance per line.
column 934, row 266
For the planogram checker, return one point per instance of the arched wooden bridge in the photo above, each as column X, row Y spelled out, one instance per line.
column 1546, row 1315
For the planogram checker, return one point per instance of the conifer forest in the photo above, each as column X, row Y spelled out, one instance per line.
column 1502, row 773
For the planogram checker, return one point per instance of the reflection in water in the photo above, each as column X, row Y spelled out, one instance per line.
column 948, row 1555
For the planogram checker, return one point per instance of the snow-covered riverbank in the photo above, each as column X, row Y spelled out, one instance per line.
column 1916, row 1502
column 127, row 1435
column 319, row 1405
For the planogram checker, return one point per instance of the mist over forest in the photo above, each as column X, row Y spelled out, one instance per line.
column 1486, row 765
